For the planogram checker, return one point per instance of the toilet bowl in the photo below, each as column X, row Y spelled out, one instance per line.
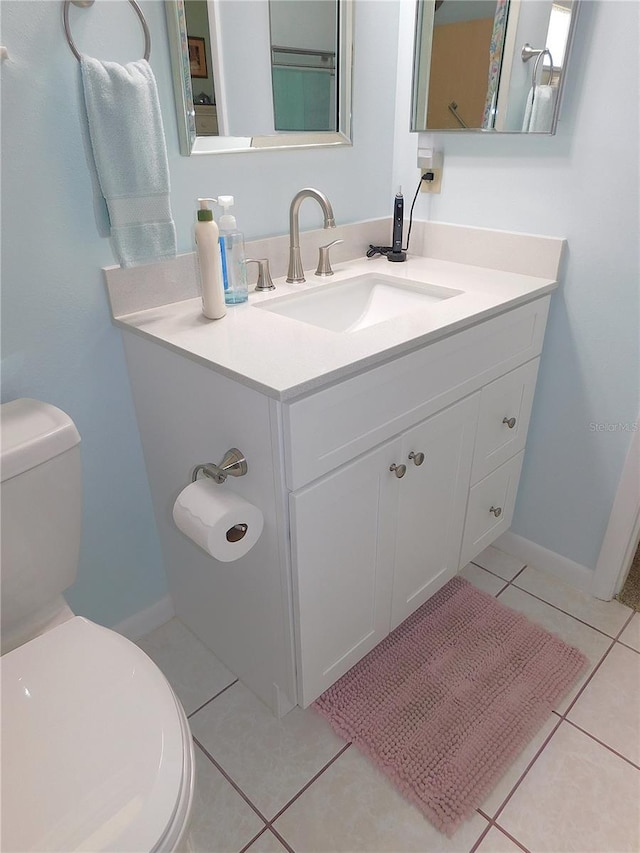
column 96, row 748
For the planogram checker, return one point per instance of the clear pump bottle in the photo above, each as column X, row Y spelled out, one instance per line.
column 234, row 270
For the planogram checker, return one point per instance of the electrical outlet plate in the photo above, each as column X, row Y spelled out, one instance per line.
column 431, row 161
column 433, row 186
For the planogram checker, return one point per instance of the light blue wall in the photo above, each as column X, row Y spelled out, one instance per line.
column 58, row 342
column 581, row 184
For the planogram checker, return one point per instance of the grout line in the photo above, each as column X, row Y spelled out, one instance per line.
column 511, row 837
column 517, row 574
column 230, row 780
column 268, row 830
column 500, row 591
column 483, row 834
column 281, row 839
column 544, row 601
column 310, row 782
column 254, row 839
column 627, row 646
column 566, row 612
column 204, row 704
column 491, row 572
column 625, row 626
column 602, row 743
column 588, row 681
column 500, row 808
column 269, row 823
column 486, row 831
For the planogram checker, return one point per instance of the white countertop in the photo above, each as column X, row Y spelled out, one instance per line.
column 286, row 358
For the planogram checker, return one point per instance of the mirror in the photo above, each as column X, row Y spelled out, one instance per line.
column 261, row 74
column 490, row 65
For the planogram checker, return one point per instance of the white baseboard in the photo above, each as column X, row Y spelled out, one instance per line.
column 562, row 568
column 147, row 620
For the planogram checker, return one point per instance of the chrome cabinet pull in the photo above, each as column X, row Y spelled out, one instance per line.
column 398, row 470
column 510, row 422
column 417, row 458
column 496, row 510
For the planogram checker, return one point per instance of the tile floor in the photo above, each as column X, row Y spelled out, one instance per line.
column 273, row 785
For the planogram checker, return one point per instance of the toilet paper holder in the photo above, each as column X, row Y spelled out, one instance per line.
column 233, row 464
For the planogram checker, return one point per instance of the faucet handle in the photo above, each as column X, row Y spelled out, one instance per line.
column 324, row 264
column 264, row 276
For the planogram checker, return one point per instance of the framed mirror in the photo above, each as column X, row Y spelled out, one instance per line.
column 261, row 74
column 495, row 66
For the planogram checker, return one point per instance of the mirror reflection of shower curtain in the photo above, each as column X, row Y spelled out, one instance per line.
column 495, row 61
column 303, row 99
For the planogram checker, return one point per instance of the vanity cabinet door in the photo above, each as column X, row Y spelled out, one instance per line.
column 342, row 545
column 432, row 499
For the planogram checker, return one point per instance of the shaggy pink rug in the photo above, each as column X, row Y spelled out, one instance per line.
column 446, row 702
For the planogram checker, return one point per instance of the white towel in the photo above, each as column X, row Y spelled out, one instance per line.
column 538, row 114
column 127, row 138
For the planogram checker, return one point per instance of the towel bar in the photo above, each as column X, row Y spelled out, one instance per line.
column 83, row 4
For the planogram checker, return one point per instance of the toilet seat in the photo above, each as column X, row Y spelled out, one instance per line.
column 96, row 753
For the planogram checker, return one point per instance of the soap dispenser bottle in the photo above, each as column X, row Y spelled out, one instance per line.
column 234, row 269
column 209, row 264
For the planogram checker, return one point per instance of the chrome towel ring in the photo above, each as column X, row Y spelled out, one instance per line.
column 528, row 52
column 84, row 4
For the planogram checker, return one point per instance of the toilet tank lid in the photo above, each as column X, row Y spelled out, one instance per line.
column 32, row 432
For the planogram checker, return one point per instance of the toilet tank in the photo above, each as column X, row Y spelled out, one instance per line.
column 40, row 505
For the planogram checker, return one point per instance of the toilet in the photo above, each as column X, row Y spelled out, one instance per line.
column 96, row 748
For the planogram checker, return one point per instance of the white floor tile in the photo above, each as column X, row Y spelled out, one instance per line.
column 353, row 807
column 499, row 562
column 482, row 579
column 504, row 787
column 609, row 707
column 193, row 671
column 222, row 821
column 496, row 841
column 631, row 634
column 266, row 843
column 268, row 758
column 591, row 643
column 577, row 798
column 607, row 616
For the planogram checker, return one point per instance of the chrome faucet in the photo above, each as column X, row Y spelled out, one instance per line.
column 296, row 272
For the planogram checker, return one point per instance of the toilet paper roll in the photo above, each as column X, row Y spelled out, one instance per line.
column 222, row 523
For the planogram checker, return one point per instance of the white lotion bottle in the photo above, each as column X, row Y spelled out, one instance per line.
column 209, row 264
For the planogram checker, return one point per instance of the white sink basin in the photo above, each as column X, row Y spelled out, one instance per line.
column 358, row 303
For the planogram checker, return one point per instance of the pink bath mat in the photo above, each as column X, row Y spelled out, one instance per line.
column 447, row 701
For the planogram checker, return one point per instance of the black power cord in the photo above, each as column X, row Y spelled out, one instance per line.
column 372, row 251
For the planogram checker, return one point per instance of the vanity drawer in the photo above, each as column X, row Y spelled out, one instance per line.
column 505, row 410
column 330, row 427
column 490, row 508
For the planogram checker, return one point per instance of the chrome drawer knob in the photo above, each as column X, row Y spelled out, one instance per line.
column 496, row 510
column 417, row 458
column 398, row 470
column 510, row 422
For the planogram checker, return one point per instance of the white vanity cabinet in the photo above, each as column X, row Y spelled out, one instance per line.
column 379, row 534
column 349, row 548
